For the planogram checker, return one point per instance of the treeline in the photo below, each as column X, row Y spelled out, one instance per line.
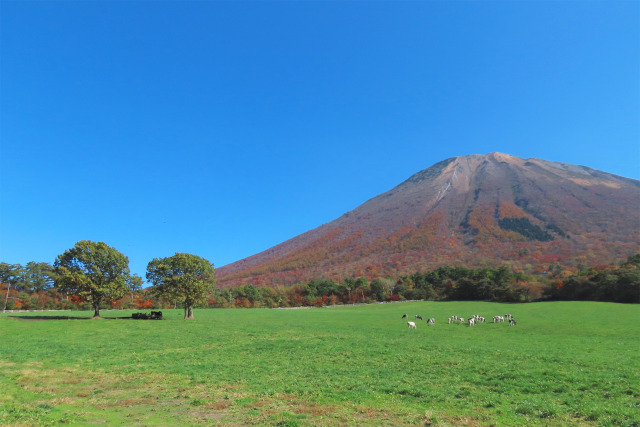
column 32, row 289
column 614, row 283
column 445, row 283
column 605, row 283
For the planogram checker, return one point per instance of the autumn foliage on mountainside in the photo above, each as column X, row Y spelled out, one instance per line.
column 474, row 211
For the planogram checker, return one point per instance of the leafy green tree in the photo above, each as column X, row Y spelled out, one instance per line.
column 327, row 287
column 134, row 283
column 381, row 288
column 95, row 271
column 402, row 287
column 362, row 288
column 12, row 273
column 269, row 297
column 252, row 293
column 633, row 260
column 38, row 276
column 182, row 276
column 347, row 287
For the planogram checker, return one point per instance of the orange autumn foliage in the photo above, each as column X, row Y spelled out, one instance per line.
column 509, row 210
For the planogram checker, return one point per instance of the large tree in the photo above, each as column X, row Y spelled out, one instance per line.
column 183, row 277
column 95, row 271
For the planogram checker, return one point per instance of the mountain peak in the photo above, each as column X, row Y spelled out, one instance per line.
column 501, row 157
column 469, row 210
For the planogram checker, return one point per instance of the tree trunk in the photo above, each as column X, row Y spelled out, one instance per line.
column 96, row 311
column 6, row 299
column 188, row 312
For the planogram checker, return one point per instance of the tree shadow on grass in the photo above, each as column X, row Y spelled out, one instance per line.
column 44, row 318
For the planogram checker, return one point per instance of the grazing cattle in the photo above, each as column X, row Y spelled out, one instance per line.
column 472, row 321
column 512, row 322
column 508, row 316
column 431, row 321
column 461, row 319
column 452, row 319
column 404, row 316
column 497, row 319
column 411, row 325
column 155, row 315
column 418, row 317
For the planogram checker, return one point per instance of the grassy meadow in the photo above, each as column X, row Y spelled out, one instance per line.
column 564, row 363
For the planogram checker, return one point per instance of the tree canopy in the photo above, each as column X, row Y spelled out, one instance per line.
column 183, row 277
column 38, row 276
column 95, row 271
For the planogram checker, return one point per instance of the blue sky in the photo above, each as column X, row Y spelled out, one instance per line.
column 223, row 128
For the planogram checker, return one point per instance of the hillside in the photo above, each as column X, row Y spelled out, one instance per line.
column 472, row 210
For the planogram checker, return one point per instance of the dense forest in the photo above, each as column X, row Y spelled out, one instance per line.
column 32, row 287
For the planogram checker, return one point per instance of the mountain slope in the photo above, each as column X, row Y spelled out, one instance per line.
column 472, row 210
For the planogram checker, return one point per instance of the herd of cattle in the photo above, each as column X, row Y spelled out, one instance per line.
column 471, row 321
column 155, row 315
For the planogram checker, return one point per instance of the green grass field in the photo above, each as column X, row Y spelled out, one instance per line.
column 564, row 363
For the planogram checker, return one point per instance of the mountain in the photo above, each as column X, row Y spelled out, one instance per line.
column 476, row 210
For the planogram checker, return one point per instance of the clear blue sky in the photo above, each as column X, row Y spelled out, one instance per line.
column 222, row 128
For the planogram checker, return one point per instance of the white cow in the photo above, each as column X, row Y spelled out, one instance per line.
column 411, row 325
column 431, row 321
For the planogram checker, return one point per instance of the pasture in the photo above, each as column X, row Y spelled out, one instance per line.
column 564, row 363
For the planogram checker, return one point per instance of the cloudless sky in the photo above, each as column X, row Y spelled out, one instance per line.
column 222, row 128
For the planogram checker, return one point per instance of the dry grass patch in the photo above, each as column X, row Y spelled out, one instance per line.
column 313, row 409
column 81, row 393
column 28, row 374
column 455, row 421
column 218, row 406
column 127, row 403
column 260, row 404
column 68, row 400
column 207, row 418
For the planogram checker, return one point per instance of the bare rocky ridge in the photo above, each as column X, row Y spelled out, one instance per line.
column 473, row 210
